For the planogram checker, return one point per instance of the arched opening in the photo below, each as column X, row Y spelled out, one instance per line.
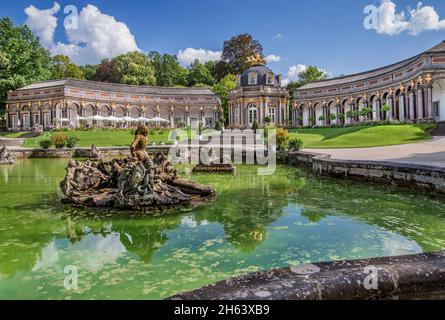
column 252, row 114
column 210, row 118
column 439, row 100
column 180, row 117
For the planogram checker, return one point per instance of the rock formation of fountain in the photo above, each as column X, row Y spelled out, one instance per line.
column 137, row 183
column 5, row 156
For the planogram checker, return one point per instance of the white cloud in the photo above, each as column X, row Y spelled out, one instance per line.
column 293, row 74
column 97, row 37
column 414, row 21
column 43, row 23
column 273, row 58
column 189, row 55
column 278, row 36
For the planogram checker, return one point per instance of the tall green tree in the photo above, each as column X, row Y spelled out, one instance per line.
column 22, row 59
column 312, row 73
column 135, row 68
column 238, row 49
column 222, row 89
column 107, row 72
column 199, row 75
column 168, row 71
column 89, row 71
column 62, row 67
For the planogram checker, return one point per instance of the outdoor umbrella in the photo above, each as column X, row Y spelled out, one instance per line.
column 158, row 119
column 113, row 119
column 97, row 118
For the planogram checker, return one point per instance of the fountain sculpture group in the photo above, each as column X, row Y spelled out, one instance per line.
column 138, row 183
column 5, row 157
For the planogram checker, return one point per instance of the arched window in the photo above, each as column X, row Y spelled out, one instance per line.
column 253, row 114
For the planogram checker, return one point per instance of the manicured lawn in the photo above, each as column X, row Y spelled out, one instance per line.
column 116, row 138
column 11, row 135
column 363, row 136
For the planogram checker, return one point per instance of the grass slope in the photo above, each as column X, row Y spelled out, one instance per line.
column 363, row 136
column 116, row 138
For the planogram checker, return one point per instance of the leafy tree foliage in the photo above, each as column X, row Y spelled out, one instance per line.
column 22, row 59
column 238, row 49
column 199, row 75
column 89, row 71
column 222, row 89
column 135, row 68
column 107, row 71
column 168, row 71
column 62, row 67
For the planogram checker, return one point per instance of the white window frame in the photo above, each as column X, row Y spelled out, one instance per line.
column 271, row 112
column 253, row 78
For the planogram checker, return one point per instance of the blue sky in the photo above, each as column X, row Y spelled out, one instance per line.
column 329, row 34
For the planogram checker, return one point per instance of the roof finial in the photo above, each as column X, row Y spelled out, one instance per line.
column 256, row 60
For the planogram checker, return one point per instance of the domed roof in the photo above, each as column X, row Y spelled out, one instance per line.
column 261, row 70
column 262, row 73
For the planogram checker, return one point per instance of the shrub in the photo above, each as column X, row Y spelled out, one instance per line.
column 332, row 116
column 296, row 144
column 255, row 126
column 268, row 119
column 218, row 125
column 322, row 118
column 283, row 138
column 72, row 142
column 45, row 144
column 59, row 140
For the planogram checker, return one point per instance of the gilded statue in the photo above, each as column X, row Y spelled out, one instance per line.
column 139, row 145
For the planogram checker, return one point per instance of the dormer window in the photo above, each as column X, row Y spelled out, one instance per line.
column 253, row 78
column 270, row 79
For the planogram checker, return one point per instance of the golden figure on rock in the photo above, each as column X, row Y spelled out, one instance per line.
column 139, row 145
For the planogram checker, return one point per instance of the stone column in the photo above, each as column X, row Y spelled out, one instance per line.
column 402, row 107
column 411, row 106
column 391, row 113
column 429, row 103
column 375, row 112
column 260, row 114
column 419, row 103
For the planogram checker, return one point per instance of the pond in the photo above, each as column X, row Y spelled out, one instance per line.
column 257, row 223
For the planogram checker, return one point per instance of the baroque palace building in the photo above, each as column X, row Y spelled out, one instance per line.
column 414, row 89
column 43, row 102
column 258, row 95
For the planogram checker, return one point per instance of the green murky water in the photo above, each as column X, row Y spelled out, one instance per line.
column 257, row 223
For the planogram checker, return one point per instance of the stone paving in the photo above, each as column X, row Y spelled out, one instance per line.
column 431, row 153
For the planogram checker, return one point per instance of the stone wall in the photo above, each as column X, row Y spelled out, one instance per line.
column 405, row 277
column 79, row 152
column 401, row 174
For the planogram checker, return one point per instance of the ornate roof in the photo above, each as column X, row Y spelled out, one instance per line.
column 115, row 87
column 372, row 73
column 262, row 71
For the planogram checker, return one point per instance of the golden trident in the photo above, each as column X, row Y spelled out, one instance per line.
column 256, row 59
